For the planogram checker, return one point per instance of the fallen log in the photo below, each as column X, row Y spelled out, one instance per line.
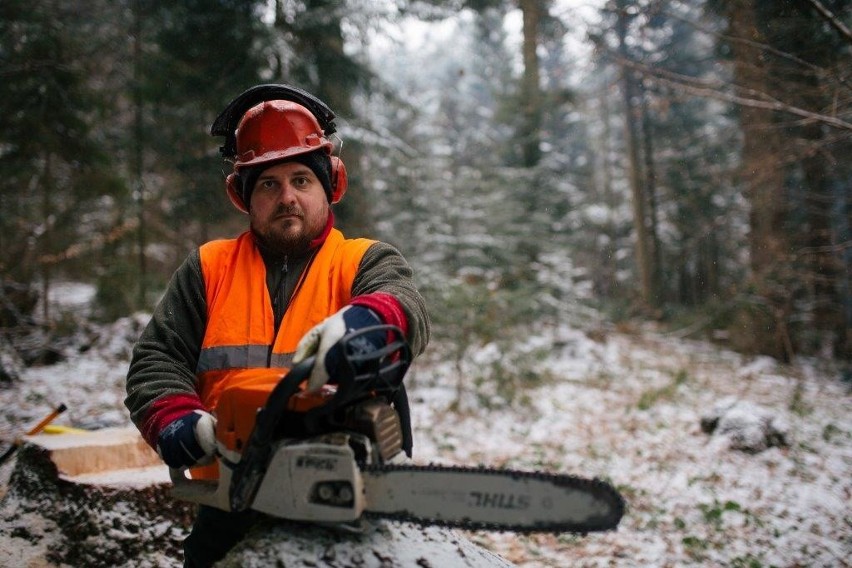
column 102, row 498
column 381, row 544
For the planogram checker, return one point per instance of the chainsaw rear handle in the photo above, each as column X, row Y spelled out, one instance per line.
column 217, row 493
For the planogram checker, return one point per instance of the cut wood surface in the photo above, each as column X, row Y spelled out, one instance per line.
column 109, row 456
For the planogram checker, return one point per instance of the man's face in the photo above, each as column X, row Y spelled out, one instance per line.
column 288, row 207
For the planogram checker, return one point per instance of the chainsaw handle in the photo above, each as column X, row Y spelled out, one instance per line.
column 201, row 491
column 381, row 370
column 248, row 473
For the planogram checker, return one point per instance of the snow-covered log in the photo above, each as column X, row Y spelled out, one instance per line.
column 381, row 544
column 103, row 499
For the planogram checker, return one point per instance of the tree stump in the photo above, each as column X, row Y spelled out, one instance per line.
column 96, row 499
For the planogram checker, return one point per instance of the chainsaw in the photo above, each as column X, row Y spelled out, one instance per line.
column 341, row 453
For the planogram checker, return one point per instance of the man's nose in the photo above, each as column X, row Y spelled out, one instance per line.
column 287, row 193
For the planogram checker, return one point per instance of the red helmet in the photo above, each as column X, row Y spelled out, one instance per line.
column 275, row 130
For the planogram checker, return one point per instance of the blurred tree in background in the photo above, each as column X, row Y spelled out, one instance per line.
column 791, row 69
column 54, row 155
column 190, row 59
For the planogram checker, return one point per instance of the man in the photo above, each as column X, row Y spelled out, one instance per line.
column 289, row 287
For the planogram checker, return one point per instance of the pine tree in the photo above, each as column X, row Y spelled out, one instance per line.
column 53, row 168
column 202, row 53
column 790, row 60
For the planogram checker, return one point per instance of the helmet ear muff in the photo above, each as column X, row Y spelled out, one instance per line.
column 339, row 181
column 232, row 187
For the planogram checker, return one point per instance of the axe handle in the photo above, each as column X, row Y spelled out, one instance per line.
column 33, row 431
column 47, row 420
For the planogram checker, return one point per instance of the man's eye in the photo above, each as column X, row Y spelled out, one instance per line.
column 300, row 181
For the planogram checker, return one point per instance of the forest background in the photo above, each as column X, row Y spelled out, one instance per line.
column 686, row 162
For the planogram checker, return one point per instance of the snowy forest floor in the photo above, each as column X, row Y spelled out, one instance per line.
column 624, row 405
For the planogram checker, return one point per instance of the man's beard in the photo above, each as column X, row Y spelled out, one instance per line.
column 282, row 242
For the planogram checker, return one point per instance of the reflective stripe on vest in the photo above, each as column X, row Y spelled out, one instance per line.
column 241, row 357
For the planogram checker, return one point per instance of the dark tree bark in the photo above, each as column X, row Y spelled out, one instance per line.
column 531, row 99
column 632, row 116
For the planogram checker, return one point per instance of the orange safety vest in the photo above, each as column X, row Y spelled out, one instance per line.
column 240, row 345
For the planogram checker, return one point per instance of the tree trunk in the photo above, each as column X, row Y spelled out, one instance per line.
column 763, row 178
column 530, row 133
column 138, row 143
column 606, row 275
column 322, row 67
column 822, row 260
column 632, row 142
column 47, row 239
column 381, row 543
column 761, row 164
column 67, row 505
column 651, row 192
column 822, row 165
column 103, row 498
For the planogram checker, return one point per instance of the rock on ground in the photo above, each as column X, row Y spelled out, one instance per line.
column 747, row 426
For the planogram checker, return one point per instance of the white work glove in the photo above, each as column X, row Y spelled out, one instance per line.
column 189, row 440
column 322, row 341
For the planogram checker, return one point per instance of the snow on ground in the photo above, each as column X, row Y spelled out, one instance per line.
column 624, row 406
column 628, row 408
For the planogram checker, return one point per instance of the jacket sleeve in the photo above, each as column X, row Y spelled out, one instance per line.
column 161, row 383
column 385, row 283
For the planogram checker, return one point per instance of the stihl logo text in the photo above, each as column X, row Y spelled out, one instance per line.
column 310, row 462
column 499, row 500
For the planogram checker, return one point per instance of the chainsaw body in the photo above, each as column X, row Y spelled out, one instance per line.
column 296, row 454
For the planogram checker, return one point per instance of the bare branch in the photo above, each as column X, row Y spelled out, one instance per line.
column 696, row 87
column 95, row 243
column 833, row 20
column 838, row 248
column 821, row 72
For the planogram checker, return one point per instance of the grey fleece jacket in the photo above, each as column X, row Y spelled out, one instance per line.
column 165, row 357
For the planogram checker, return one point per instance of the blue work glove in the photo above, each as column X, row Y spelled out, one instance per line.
column 323, row 341
column 188, row 441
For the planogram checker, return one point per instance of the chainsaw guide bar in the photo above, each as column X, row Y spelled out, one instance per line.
column 491, row 499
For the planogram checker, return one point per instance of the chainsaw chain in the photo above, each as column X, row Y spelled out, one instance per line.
column 599, row 488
